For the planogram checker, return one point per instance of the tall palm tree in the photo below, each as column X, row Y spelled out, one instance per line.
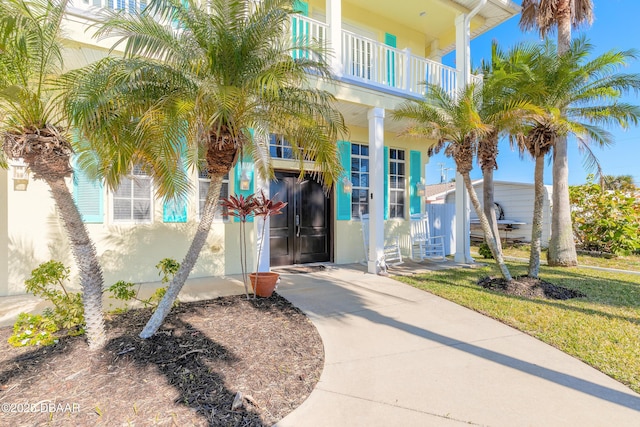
column 545, row 16
column 217, row 74
column 456, row 125
column 33, row 129
column 504, row 107
column 577, row 96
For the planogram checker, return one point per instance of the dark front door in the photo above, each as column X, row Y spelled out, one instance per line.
column 301, row 234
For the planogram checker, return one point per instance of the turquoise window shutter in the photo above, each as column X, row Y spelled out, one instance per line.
column 89, row 197
column 175, row 210
column 301, row 7
column 244, row 168
column 386, row 182
column 415, row 166
column 343, row 200
column 390, row 40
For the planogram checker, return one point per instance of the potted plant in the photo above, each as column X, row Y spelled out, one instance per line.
column 263, row 283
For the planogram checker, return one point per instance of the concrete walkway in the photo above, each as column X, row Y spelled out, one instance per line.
column 398, row 356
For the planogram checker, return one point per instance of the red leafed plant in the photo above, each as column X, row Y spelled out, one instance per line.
column 259, row 205
column 241, row 207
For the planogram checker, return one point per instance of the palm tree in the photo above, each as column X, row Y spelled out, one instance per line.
column 577, row 96
column 33, row 129
column 218, row 75
column 504, row 107
column 456, row 125
column 546, row 15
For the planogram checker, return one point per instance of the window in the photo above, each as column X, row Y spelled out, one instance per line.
column 132, row 199
column 279, row 148
column 396, row 183
column 203, row 188
column 360, row 180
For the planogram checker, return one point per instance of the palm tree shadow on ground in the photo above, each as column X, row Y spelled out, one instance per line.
column 187, row 374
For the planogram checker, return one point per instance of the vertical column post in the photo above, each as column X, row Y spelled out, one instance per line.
column 264, row 263
column 376, row 189
column 334, row 20
column 407, row 84
column 463, row 66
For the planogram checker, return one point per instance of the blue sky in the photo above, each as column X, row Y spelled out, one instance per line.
column 616, row 26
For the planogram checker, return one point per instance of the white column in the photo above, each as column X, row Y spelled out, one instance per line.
column 463, row 66
column 334, row 20
column 376, row 188
column 260, row 226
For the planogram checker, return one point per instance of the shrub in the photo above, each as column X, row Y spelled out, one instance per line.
column 125, row 291
column 605, row 221
column 485, row 251
column 48, row 282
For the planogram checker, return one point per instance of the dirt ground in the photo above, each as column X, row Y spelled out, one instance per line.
column 264, row 353
column 529, row 287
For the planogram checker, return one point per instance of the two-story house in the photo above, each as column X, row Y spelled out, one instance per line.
column 382, row 52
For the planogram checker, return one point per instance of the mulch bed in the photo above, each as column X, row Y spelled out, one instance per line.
column 529, row 287
column 187, row 374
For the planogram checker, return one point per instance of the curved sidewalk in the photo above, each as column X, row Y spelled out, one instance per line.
column 398, row 356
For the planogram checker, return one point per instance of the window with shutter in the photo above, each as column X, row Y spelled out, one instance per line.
column 132, row 201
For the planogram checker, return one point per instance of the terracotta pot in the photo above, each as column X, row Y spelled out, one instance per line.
column 266, row 283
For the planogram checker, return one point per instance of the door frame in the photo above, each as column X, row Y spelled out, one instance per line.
column 330, row 215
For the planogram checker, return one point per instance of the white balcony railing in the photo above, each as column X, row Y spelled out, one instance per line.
column 366, row 60
column 377, row 64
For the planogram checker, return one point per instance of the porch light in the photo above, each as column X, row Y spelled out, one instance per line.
column 245, row 182
column 20, row 175
column 421, row 189
column 347, row 186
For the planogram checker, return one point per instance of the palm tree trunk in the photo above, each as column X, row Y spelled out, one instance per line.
column 199, row 239
column 536, row 223
column 486, row 228
column 86, row 258
column 562, row 248
column 488, row 201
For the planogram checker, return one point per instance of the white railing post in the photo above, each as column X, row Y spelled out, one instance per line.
column 407, row 77
column 334, row 22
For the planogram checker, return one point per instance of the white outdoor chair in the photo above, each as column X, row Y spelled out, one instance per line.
column 423, row 245
column 392, row 253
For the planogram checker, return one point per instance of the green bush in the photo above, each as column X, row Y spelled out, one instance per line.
column 48, row 282
column 33, row 329
column 125, row 291
column 605, row 221
column 484, row 251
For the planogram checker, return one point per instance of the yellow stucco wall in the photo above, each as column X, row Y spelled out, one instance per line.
column 126, row 251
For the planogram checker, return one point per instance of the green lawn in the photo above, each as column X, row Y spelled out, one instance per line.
column 631, row 262
column 602, row 329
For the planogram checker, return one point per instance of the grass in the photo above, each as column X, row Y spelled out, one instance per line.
column 602, row 329
column 630, row 262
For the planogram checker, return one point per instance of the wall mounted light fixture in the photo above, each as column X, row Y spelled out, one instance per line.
column 20, row 175
column 421, row 189
column 245, row 182
column 347, row 186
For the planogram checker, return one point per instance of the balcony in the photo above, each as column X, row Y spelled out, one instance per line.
column 373, row 64
column 365, row 62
